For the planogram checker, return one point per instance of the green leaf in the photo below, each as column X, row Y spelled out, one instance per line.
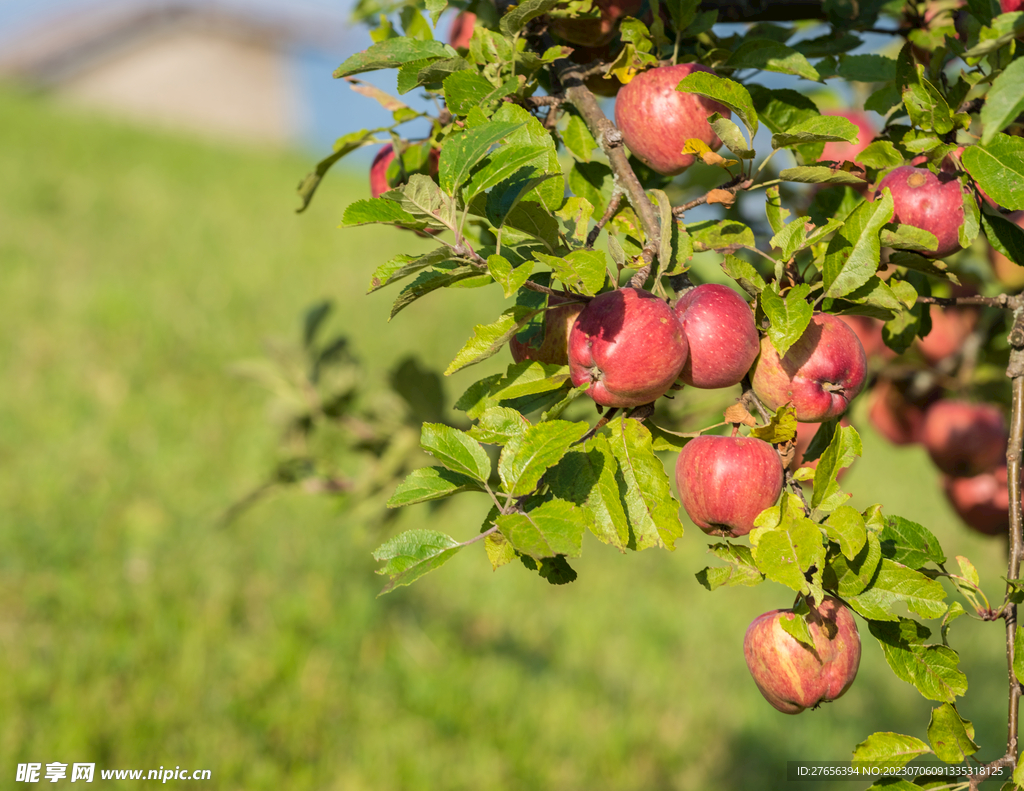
column 780, row 428
column 390, row 53
column 909, row 543
column 730, row 134
column 771, row 56
column 744, row 273
column 429, row 72
column 520, row 14
column 719, row 235
column 592, row 181
column 848, row 578
column 932, row 669
column 583, row 271
column 841, row 452
column 1005, row 236
column 724, row 91
column 880, row 155
column 796, row 627
column 819, row 174
column 578, row 139
column 741, row 569
column 951, row 737
column 466, row 89
column 431, row 483
column 404, row 265
column 786, row 553
column 423, row 199
column 435, row 8
column 998, row 167
column 511, row 280
column 409, row 556
column 456, row 450
column 553, row 528
column 789, row 316
column 379, row 210
column 461, row 153
column 499, row 425
column 845, row 525
column 525, row 459
column 576, row 214
column 818, row 128
column 431, row 281
column 773, row 209
column 590, row 477
column 895, row 583
column 550, row 192
column 782, row 109
column 867, row 68
column 653, row 511
column 519, row 161
column 907, row 237
column 488, row 339
column 884, row 99
column 893, row 749
column 1004, row 102
column 853, row 253
column 530, row 378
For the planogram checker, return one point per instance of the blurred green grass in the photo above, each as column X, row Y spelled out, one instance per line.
column 135, row 633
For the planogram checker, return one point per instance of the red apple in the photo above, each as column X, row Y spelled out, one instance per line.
column 725, row 482
column 820, row 374
column 950, row 328
column 461, row 30
column 791, row 676
column 848, row 152
column 1009, row 273
column 964, row 439
column 719, row 329
column 628, row 345
column 656, row 120
column 982, row 502
column 595, row 31
column 900, row 421
column 1009, row 6
column 553, row 348
column 929, row 202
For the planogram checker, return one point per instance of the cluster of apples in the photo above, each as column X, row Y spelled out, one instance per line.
column 631, row 348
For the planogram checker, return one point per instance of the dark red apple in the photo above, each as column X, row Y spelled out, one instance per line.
column 848, row 152
column 950, row 328
column 820, row 374
column 725, row 482
column 1009, row 6
column 595, row 31
column 718, row 325
column 964, row 439
column 461, row 30
column 927, row 201
column 893, row 416
column 628, row 345
column 553, row 348
column 656, row 120
column 982, row 502
column 791, row 676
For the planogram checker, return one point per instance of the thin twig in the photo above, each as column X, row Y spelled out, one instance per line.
column 738, row 184
column 598, row 426
column 1004, row 301
column 613, row 206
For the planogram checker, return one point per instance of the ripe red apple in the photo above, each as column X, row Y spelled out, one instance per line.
column 553, row 348
column 628, row 344
column 848, row 152
column 929, row 202
column 964, row 439
column 869, row 332
column 950, row 328
column 1009, row 6
column 1009, row 273
column 900, row 421
column 461, row 30
column 725, row 482
column 595, row 31
column 982, row 502
column 791, row 676
column 656, row 120
column 820, row 374
column 719, row 329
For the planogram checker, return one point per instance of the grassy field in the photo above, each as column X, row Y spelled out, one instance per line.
column 137, row 633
